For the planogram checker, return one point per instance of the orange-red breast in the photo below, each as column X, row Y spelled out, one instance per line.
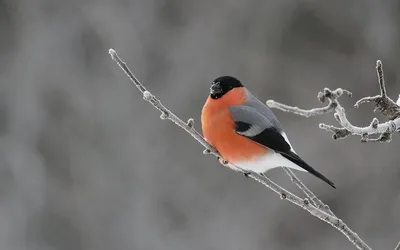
column 246, row 132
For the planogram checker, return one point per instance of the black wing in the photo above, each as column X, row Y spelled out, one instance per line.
column 263, row 132
column 272, row 139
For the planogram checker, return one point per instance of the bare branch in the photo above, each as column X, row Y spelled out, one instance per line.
column 398, row 246
column 322, row 96
column 366, row 99
column 382, row 103
column 381, row 79
column 165, row 113
column 209, row 149
column 349, row 129
column 303, row 112
column 313, row 198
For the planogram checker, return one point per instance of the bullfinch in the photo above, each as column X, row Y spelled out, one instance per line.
column 246, row 132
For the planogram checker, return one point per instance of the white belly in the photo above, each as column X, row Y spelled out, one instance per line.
column 265, row 163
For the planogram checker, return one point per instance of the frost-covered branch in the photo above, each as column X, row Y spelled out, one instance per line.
column 314, row 206
column 382, row 102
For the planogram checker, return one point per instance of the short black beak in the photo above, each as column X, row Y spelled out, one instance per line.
column 215, row 89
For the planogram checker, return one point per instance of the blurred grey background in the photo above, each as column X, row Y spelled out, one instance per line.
column 86, row 164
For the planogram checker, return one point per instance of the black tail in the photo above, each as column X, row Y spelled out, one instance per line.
column 298, row 161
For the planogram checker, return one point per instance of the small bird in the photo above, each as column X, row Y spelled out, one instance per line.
column 246, row 132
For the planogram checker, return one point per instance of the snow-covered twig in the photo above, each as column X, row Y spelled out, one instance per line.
column 382, row 102
column 322, row 214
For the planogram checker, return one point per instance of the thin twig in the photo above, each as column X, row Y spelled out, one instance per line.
column 398, row 246
column 303, row 112
column 322, row 97
column 165, row 113
column 209, row 149
column 313, row 198
column 381, row 79
column 303, row 203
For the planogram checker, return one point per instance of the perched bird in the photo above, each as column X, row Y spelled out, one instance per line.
column 246, row 132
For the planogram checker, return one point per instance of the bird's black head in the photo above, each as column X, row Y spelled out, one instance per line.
column 222, row 85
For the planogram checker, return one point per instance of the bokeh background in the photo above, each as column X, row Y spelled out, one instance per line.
column 86, row 164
